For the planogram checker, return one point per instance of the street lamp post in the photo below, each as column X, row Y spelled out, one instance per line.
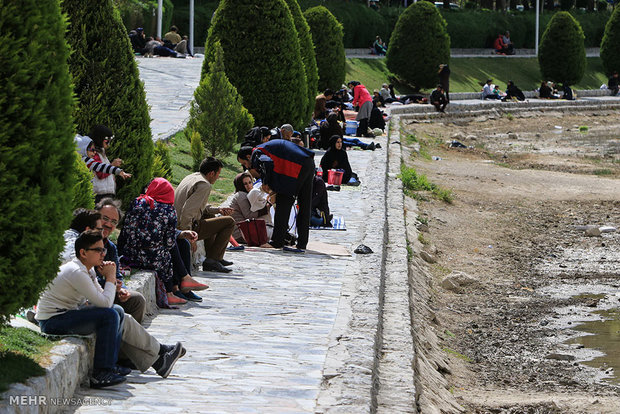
column 159, row 16
column 537, row 23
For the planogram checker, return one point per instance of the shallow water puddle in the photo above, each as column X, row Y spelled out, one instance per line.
column 603, row 335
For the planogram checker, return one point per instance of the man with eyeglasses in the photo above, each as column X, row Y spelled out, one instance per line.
column 131, row 301
column 74, row 304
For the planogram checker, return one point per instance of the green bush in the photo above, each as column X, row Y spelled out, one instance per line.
column 108, row 88
column 37, row 153
column 83, row 196
column 306, row 48
column 217, row 109
column 162, row 164
column 418, row 45
column 610, row 46
column 562, row 55
column 197, row 148
column 329, row 49
column 262, row 59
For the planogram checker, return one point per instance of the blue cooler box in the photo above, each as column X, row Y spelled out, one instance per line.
column 350, row 128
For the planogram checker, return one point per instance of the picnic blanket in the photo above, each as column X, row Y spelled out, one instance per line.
column 337, row 224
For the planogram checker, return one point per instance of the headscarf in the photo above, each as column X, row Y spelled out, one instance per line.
column 159, row 190
column 238, row 182
column 339, row 156
column 82, row 142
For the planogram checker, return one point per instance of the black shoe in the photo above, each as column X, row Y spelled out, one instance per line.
column 105, row 378
column 180, row 295
column 165, row 362
column 210, row 265
column 371, row 146
column 122, row 371
column 377, row 145
column 225, row 262
column 189, row 295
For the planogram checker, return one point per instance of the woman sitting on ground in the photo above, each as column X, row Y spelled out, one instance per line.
column 545, row 92
column 242, row 207
column 336, row 158
column 148, row 237
column 513, row 92
column 331, row 127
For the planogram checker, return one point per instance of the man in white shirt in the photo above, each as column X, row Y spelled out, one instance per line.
column 61, row 311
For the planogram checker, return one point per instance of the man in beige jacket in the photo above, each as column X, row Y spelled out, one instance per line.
column 193, row 212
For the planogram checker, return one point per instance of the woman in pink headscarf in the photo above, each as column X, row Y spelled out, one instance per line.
column 149, row 236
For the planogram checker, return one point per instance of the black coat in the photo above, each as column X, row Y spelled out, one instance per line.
column 336, row 159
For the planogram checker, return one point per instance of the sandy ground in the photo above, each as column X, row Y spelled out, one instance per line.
column 521, row 187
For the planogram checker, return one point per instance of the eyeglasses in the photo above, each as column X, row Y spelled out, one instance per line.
column 109, row 138
column 100, row 250
column 109, row 220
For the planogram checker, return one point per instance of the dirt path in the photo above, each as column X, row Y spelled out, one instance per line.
column 521, row 188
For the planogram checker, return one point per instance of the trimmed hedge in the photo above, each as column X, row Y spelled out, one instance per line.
column 162, row 163
column 217, row 112
column 37, row 153
column 419, row 43
column 262, row 59
column 610, row 46
column 327, row 38
column 108, row 88
column 562, row 55
column 467, row 28
column 306, row 48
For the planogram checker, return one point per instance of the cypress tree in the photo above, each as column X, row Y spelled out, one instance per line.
column 327, row 38
column 610, row 45
column 307, row 53
column 109, row 89
column 262, row 59
column 37, row 154
column 419, row 43
column 217, row 109
column 83, row 196
column 562, row 54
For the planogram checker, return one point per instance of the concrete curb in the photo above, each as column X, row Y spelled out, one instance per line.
column 70, row 364
column 396, row 392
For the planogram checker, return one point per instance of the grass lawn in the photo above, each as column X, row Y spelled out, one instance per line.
column 182, row 165
column 467, row 74
column 21, row 350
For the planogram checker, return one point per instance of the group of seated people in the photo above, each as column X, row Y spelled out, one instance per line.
column 503, row 45
column 492, row 91
column 172, row 45
column 160, row 232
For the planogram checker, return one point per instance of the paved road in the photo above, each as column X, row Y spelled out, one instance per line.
column 169, row 85
column 262, row 338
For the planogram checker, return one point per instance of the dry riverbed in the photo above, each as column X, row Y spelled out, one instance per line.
column 523, row 187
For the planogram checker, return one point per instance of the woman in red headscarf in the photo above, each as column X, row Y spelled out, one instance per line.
column 149, row 238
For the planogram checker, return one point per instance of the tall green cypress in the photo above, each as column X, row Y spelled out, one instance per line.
column 108, row 88
column 37, row 154
column 610, row 45
column 307, row 53
column 329, row 48
column 262, row 59
column 217, row 109
column 419, row 44
column 562, row 54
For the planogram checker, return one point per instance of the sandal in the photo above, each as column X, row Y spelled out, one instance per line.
column 192, row 285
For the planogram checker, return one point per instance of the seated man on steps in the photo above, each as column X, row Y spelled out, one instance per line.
column 131, row 301
column 61, row 311
column 190, row 202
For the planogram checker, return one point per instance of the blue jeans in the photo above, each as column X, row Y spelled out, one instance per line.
column 351, row 142
column 104, row 322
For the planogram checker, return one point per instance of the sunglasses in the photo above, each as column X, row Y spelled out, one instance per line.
column 100, row 250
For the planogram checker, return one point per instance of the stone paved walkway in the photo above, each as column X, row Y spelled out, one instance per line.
column 270, row 336
column 169, row 84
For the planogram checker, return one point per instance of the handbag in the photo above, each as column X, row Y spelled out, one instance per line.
column 254, row 231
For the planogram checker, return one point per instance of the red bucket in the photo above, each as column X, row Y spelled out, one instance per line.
column 334, row 177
